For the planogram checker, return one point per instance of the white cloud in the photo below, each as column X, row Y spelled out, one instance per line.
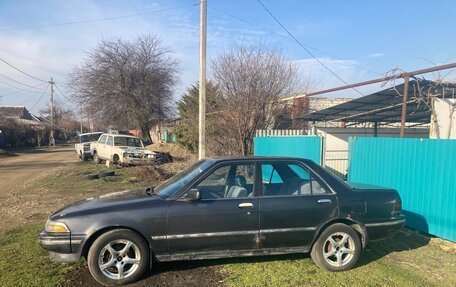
column 376, row 55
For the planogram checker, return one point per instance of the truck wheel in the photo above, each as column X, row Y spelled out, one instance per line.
column 337, row 249
column 118, row 257
column 96, row 159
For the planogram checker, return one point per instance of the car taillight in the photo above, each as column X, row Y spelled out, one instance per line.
column 397, row 208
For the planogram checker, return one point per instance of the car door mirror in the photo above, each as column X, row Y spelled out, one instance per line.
column 192, row 195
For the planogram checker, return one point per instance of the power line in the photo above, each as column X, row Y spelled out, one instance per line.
column 63, row 95
column 289, row 38
column 22, row 89
column 16, row 81
column 36, row 103
column 8, row 84
column 17, row 69
column 96, row 20
column 307, row 50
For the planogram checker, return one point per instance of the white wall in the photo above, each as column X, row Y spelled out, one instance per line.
column 443, row 122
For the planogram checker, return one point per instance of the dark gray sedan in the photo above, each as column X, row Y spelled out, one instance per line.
column 225, row 207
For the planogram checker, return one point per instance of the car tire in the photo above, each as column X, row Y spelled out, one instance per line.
column 90, row 176
column 337, row 248
column 107, row 173
column 109, row 258
column 96, row 159
column 115, row 159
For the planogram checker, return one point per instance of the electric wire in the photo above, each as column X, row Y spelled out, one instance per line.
column 96, row 20
column 39, row 99
column 307, row 50
column 16, row 81
column 289, row 38
column 23, row 89
column 17, row 69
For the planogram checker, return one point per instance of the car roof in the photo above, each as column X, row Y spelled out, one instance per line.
column 121, row 135
column 241, row 158
column 91, row 133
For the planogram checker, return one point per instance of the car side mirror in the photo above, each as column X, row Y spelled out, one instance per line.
column 193, row 195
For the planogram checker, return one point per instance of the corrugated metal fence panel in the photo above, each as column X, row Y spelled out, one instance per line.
column 297, row 146
column 422, row 170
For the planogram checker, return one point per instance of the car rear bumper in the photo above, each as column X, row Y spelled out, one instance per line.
column 381, row 230
column 63, row 247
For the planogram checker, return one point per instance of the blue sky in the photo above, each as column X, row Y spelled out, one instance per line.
column 359, row 40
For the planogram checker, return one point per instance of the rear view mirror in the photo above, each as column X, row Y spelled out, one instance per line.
column 193, row 195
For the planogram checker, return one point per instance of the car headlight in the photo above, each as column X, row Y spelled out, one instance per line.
column 56, row 227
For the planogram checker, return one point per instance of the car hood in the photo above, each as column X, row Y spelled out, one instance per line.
column 103, row 202
column 130, row 149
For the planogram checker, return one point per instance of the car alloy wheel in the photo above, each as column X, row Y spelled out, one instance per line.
column 119, row 259
column 338, row 249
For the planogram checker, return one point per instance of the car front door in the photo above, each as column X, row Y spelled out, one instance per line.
column 293, row 204
column 101, row 146
column 223, row 220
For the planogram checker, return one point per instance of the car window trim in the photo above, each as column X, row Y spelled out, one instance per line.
column 209, row 171
column 303, row 165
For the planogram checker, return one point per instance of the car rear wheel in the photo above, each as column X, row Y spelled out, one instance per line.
column 118, row 257
column 337, row 249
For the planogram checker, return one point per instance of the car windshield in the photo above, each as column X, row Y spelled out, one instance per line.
column 172, row 185
column 127, row 141
column 89, row 138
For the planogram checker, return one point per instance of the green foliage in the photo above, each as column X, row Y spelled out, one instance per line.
column 188, row 107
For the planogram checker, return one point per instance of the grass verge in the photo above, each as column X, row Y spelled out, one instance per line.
column 407, row 259
column 25, row 263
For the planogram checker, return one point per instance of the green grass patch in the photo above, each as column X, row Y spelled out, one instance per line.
column 404, row 260
column 25, row 263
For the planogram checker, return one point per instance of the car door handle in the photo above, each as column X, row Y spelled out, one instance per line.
column 324, row 201
column 245, row 205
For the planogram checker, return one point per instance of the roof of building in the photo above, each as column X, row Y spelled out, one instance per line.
column 386, row 105
column 15, row 112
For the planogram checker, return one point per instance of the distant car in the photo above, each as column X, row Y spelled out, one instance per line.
column 225, row 207
column 122, row 149
column 82, row 147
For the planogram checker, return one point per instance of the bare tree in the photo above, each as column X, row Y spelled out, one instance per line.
column 126, row 83
column 251, row 80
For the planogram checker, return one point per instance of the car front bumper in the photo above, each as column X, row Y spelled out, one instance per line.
column 382, row 230
column 63, row 247
column 138, row 160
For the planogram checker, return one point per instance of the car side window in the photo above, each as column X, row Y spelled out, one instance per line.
column 294, row 180
column 109, row 141
column 228, row 181
column 103, row 139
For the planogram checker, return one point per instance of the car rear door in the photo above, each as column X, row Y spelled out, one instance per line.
column 101, row 146
column 293, row 204
column 225, row 219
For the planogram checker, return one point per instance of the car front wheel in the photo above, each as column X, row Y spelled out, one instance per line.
column 118, row 257
column 337, row 249
column 96, row 159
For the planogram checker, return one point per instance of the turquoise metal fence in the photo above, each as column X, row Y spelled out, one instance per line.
column 309, row 147
column 422, row 170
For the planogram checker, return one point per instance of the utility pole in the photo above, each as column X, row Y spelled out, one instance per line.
column 51, row 136
column 202, row 82
column 80, row 116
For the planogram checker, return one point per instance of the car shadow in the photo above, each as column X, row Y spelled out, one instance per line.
column 414, row 236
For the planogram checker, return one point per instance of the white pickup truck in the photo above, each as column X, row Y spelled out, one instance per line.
column 82, row 148
column 122, row 150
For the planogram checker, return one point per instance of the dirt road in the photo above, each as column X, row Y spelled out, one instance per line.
column 25, row 167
